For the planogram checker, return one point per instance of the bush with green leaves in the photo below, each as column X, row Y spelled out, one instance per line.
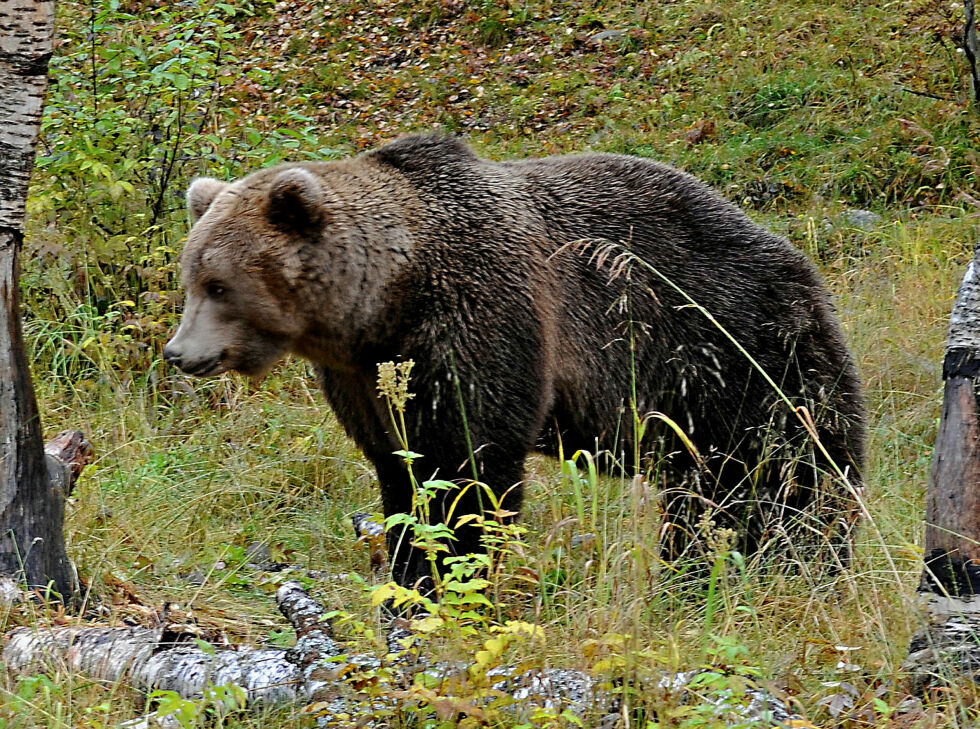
column 143, row 97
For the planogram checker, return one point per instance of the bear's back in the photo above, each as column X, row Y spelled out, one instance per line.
column 647, row 205
column 503, row 223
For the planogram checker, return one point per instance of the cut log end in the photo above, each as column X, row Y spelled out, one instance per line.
column 72, row 452
column 372, row 533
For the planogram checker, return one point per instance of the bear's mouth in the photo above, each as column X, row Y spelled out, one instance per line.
column 211, row 366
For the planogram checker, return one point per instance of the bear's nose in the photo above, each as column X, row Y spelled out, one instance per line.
column 172, row 355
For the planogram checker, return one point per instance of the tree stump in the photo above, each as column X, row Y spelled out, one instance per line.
column 949, row 646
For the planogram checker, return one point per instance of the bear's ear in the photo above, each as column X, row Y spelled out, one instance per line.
column 296, row 200
column 201, row 194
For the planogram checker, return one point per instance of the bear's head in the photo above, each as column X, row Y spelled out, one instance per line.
column 241, row 268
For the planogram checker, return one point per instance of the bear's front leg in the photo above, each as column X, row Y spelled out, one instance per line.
column 471, row 439
column 499, row 488
column 365, row 417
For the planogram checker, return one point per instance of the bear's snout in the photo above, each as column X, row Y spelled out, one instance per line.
column 199, row 366
column 172, row 356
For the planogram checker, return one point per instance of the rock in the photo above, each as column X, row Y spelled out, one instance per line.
column 862, row 219
column 607, row 35
column 194, row 577
column 259, row 557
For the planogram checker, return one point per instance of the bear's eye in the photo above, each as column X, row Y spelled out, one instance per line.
column 215, row 290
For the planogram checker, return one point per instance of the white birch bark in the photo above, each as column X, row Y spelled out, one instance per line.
column 26, row 41
column 971, row 48
column 137, row 657
column 10, row 593
column 964, row 321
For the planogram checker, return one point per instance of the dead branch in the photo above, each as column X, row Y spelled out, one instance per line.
column 970, row 47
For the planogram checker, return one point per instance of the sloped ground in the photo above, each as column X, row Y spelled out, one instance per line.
column 846, row 127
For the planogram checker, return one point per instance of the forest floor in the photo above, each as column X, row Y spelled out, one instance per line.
column 846, row 127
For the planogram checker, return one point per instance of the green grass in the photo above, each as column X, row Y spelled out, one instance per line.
column 799, row 112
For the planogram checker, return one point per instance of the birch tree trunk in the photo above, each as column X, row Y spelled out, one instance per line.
column 952, row 540
column 971, row 48
column 32, row 546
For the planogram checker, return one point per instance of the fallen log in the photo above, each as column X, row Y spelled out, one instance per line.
column 316, row 672
column 141, row 658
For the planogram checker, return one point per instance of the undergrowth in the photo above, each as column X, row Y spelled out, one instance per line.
column 803, row 113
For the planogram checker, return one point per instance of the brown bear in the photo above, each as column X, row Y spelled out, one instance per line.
column 542, row 301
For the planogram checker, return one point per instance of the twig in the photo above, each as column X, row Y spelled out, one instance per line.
column 970, row 48
column 926, row 94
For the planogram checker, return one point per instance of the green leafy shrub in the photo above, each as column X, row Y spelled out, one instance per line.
column 143, row 97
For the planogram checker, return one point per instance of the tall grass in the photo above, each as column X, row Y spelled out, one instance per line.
column 188, row 477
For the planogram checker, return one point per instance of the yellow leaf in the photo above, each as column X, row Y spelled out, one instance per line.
column 427, row 624
column 384, row 592
column 466, row 519
column 519, row 627
column 496, row 646
column 608, row 663
column 476, row 584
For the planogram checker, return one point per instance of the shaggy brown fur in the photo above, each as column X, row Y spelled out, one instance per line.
column 497, row 280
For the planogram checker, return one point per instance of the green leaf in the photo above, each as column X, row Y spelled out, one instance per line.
column 205, row 647
column 407, row 455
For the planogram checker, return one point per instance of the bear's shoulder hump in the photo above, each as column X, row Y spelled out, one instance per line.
column 422, row 151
